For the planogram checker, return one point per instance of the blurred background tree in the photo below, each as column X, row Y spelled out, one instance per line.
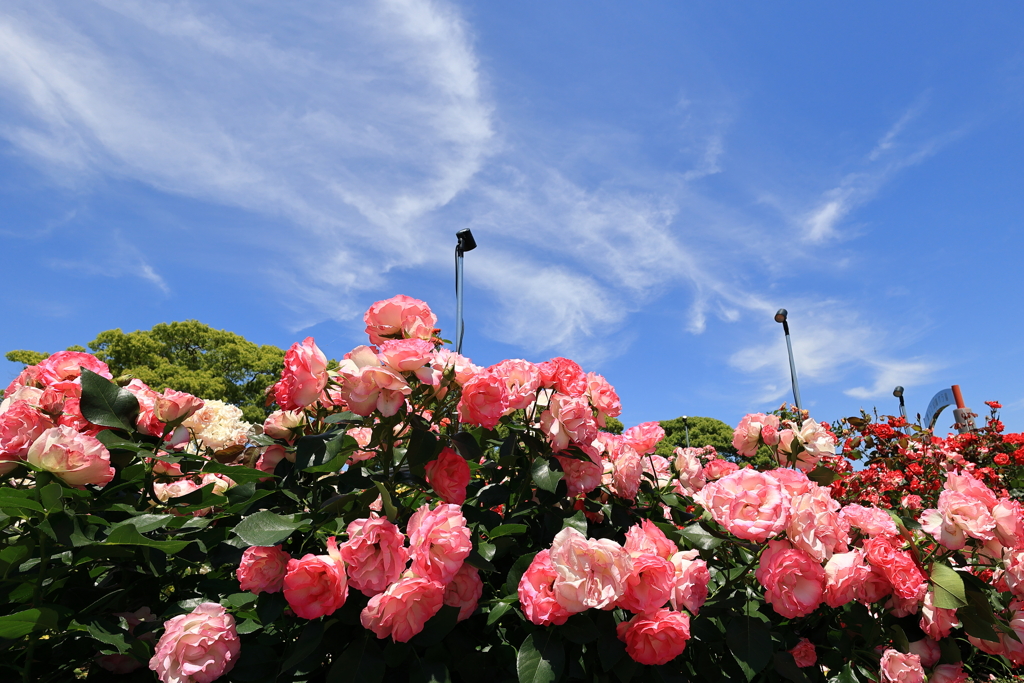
column 187, row 356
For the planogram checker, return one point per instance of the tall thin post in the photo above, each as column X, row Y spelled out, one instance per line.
column 782, row 317
column 465, row 243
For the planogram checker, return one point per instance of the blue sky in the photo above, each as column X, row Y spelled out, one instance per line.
column 648, row 183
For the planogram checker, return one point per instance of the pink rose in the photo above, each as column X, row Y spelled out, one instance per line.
column 20, row 426
column 284, row 424
column 958, row 517
column 67, row 365
column 568, row 420
column 626, row 473
column 448, row 475
column 690, row 470
column 403, row 609
column 1009, row 517
column 748, row 435
column 316, row 585
column 644, row 437
column 581, row 476
column 536, row 592
column 564, row 376
column 439, row 541
column 794, row 583
column 592, row 573
column 399, row 317
column 78, row 459
column 366, row 385
column 175, row 489
column 948, row 673
column 971, row 488
column 928, row 650
column 649, row 585
column 464, row 591
column 937, row 622
column 816, row 525
column 656, row 638
column 198, row 647
column 647, row 538
column 871, row 521
column 901, row 668
column 175, row 406
column 304, row 376
column 804, row 654
column 375, row 554
column 845, row 573
column 363, row 436
column 691, row 581
column 406, row 355
column 750, row 504
column 718, row 468
column 262, row 569
column 484, row 400
column 793, row 482
column 907, row 580
column 817, row 441
column 447, row 361
column 270, row 458
column 603, row 397
column 521, row 378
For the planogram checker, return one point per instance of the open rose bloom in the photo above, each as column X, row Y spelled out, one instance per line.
column 198, row 647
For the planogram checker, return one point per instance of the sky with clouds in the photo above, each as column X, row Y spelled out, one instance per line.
column 647, row 184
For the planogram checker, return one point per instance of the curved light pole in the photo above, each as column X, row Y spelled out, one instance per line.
column 781, row 316
column 465, row 243
column 898, row 393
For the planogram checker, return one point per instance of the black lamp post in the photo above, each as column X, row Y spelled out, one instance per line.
column 782, row 317
column 898, row 393
column 465, row 243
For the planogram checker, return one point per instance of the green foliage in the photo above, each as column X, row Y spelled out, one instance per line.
column 26, row 357
column 613, row 426
column 704, row 431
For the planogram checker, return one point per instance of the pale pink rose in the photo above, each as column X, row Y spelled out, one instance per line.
column 912, row 501
column 603, row 397
column 439, row 541
column 845, row 573
column 484, row 400
column 316, row 585
column 304, row 376
column 658, row 467
column 816, row 525
column 691, row 581
column 1009, row 517
column 817, row 441
column 399, row 317
column 521, row 378
column 366, row 385
column 581, row 476
column 464, row 591
column 971, row 488
column 937, row 622
column 404, row 608
column 537, row 595
column 67, row 365
column 897, row 667
column 1013, row 573
column 655, row 638
column 78, row 459
column 270, row 457
column 627, row 469
column 750, row 504
column 908, row 583
column 649, row 585
column 406, row 355
column 449, row 475
column 794, row 482
column 591, row 573
column 644, row 437
column 784, row 452
column 928, row 650
column 446, row 360
column 794, row 583
column 568, row 420
column 647, row 538
column 748, row 435
column 284, row 424
column 363, row 436
column 20, row 426
column 957, row 518
column 198, row 647
column 221, row 482
column 374, row 553
column 262, row 569
column 948, row 673
column 174, row 406
column 564, row 376
column 871, row 521
column 26, row 379
column 691, row 471
column 147, row 422
column 175, row 489
column 718, row 468
column 804, row 654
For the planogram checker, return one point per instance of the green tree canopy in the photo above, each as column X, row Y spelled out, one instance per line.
column 188, row 356
column 704, row 431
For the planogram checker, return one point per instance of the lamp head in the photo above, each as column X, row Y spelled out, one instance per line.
column 781, row 315
column 898, row 392
column 466, row 241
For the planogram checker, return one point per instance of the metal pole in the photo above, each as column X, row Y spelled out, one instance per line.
column 465, row 243
column 686, row 425
column 782, row 317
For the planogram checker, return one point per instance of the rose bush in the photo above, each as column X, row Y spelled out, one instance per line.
column 407, row 515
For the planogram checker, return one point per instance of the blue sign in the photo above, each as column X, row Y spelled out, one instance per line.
column 939, row 401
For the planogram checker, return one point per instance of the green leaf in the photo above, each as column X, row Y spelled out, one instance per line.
column 699, row 537
column 750, row 641
column 519, row 568
column 112, row 638
column 466, row 444
column 113, row 442
column 497, row 612
column 543, row 476
column 948, row 587
column 308, row 641
column 422, row 449
column 26, row 621
column 507, row 530
column 266, row 528
column 540, row 660
column 240, row 474
column 437, row 627
column 18, row 499
column 50, row 495
column 822, row 476
column 846, row 674
column 106, row 404
column 430, row 672
column 315, row 450
column 146, row 523
column 580, row 629
column 343, row 418
column 786, row 666
column 578, row 522
column 361, row 662
column 129, row 535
